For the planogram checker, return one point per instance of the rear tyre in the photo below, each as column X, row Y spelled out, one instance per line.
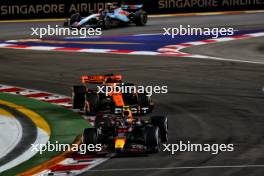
column 78, row 97
column 89, row 136
column 75, row 18
column 141, row 18
column 92, row 100
column 152, row 139
column 162, row 123
column 106, row 22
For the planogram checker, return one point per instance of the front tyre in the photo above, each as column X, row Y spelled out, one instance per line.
column 152, row 139
column 89, row 136
column 78, row 97
column 162, row 123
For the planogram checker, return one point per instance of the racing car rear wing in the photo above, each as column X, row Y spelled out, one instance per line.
column 101, row 78
column 131, row 7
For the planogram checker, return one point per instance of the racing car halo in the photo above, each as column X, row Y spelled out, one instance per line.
column 109, row 17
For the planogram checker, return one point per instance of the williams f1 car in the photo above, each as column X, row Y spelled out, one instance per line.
column 109, row 17
column 125, row 133
column 89, row 98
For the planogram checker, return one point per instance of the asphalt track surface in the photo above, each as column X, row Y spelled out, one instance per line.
column 208, row 101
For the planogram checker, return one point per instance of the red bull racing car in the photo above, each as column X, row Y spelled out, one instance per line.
column 125, row 133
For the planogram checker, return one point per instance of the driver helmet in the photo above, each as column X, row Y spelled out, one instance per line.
column 115, row 5
column 109, row 6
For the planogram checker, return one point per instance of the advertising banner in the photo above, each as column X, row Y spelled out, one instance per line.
column 30, row 9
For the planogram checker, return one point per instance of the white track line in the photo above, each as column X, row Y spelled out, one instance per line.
column 225, row 59
column 42, row 138
column 178, row 47
column 176, row 168
column 10, row 134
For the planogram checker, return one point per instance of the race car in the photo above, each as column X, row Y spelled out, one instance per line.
column 94, row 96
column 109, row 17
column 125, row 133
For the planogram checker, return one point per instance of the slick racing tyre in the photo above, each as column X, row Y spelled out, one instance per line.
column 75, row 18
column 92, row 103
column 78, row 97
column 144, row 100
column 152, row 139
column 141, row 18
column 106, row 22
column 162, row 123
column 89, row 136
